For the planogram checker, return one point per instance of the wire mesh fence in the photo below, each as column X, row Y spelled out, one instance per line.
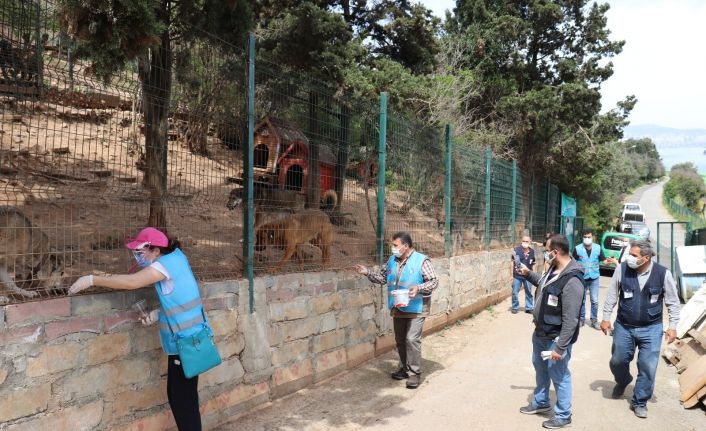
column 87, row 162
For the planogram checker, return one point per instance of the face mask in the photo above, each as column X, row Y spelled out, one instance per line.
column 633, row 262
column 587, row 241
column 525, row 244
column 396, row 252
column 142, row 259
column 549, row 257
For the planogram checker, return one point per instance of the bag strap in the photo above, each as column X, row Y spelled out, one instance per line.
column 203, row 314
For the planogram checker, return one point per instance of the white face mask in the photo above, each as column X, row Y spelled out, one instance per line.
column 632, row 262
column 549, row 257
column 587, row 241
column 525, row 244
column 396, row 251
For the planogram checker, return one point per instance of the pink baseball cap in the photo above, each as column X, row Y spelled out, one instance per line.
column 147, row 236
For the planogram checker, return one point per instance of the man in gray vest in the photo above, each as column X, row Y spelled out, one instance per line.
column 640, row 287
column 559, row 296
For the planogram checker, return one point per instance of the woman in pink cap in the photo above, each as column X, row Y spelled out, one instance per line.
column 181, row 313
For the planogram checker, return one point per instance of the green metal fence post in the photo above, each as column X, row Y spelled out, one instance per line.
column 513, row 211
column 671, row 248
column 248, row 244
column 447, row 194
column 488, row 160
column 658, row 243
column 546, row 208
column 381, row 178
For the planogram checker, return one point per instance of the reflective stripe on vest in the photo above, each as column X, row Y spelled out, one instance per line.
column 182, row 309
column 411, row 276
column 591, row 269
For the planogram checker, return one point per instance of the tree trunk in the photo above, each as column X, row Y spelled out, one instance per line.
column 342, row 156
column 313, row 192
column 156, row 79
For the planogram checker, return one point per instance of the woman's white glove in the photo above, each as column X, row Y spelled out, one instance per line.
column 150, row 318
column 82, row 283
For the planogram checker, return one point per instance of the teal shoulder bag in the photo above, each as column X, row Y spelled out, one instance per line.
column 197, row 352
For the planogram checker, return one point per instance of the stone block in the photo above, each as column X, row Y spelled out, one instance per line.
column 367, row 312
column 328, row 341
column 23, row 402
column 79, row 418
column 162, row 420
column 359, row 353
column 350, row 283
column 228, row 302
column 384, row 344
column 230, row 370
column 145, row 339
column 328, row 322
column 256, row 354
column 358, row 298
column 122, row 320
column 3, row 373
column 36, row 312
column 102, row 379
column 290, row 352
column 130, row 401
column 435, row 323
column 100, row 303
column 214, row 289
column 223, row 322
column 364, row 331
column 348, row 317
column 329, row 364
column 231, row 346
column 293, row 378
column 3, row 325
column 24, row 335
column 292, row 310
column 246, row 396
column 299, row 329
column 71, row 326
column 106, row 348
column 325, row 303
column 325, row 287
column 54, row 359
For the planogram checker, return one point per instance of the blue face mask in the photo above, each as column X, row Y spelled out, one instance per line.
column 142, row 259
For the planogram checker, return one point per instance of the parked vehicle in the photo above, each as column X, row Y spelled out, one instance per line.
column 626, row 217
column 612, row 243
column 637, row 228
column 689, row 270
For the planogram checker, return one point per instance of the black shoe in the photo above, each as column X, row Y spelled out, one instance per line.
column 640, row 411
column 531, row 409
column 555, row 423
column 413, row 381
column 618, row 391
column 529, row 311
column 513, row 311
column 399, row 374
column 581, row 323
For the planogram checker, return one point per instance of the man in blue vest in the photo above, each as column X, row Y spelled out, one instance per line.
column 640, row 287
column 522, row 255
column 589, row 256
column 559, row 296
column 407, row 269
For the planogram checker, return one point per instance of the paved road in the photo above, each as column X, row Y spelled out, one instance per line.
column 650, row 198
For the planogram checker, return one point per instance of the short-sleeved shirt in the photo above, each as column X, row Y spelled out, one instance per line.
column 167, row 284
column 526, row 257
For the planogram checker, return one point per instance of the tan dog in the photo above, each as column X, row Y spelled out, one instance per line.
column 308, row 226
column 25, row 251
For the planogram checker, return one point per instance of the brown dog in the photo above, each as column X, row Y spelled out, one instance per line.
column 308, row 226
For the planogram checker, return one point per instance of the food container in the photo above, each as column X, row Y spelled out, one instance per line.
column 400, row 297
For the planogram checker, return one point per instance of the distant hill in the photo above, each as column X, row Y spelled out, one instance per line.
column 666, row 137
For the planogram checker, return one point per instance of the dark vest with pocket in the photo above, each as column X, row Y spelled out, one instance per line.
column 549, row 318
column 635, row 307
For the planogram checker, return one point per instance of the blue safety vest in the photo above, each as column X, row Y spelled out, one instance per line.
column 411, row 276
column 590, row 264
column 182, row 312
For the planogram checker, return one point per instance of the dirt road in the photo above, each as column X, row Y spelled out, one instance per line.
column 477, row 375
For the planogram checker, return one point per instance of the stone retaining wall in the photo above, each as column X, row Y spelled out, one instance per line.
column 85, row 363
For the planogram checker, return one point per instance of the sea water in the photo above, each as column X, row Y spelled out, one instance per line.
column 674, row 155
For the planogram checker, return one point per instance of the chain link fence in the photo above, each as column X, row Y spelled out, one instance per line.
column 190, row 141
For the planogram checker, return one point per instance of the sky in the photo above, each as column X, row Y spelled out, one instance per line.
column 663, row 62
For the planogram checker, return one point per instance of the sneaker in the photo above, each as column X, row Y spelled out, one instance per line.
column 618, row 391
column 595, row 325
column 399, row 374
column 513, row 311
column 531, row 409
column 413, row 381
column 555, row 423
column 640, row 411
column 529, row 311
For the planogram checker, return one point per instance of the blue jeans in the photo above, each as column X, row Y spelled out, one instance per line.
column 648, row 340
column 550, row 371
column 593, row 286
column 517, row 284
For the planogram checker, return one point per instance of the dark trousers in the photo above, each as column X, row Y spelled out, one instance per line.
column 183, row 395
column 408, row 337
